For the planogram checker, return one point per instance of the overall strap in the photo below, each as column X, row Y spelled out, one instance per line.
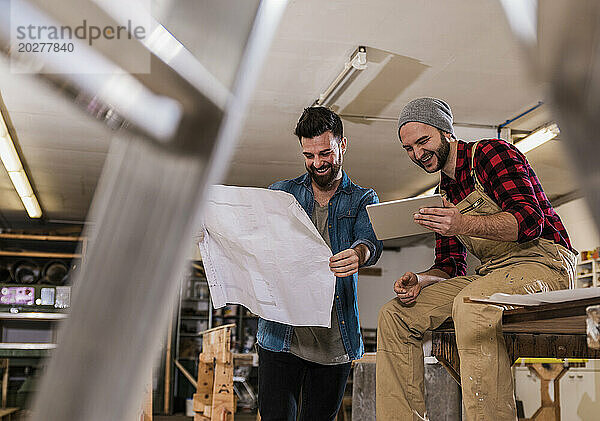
column 476, row 181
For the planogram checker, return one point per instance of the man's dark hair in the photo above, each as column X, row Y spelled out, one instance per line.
column 444, row 133
column 315, row 121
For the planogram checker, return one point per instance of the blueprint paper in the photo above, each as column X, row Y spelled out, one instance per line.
column 261, row 250
column 559, row 296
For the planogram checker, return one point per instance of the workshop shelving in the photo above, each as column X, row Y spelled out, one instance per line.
column 32, row 303
column 197, row 314
column 588, row 273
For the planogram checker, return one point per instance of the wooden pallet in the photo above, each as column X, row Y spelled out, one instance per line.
column 145, row 413
column 214, row 397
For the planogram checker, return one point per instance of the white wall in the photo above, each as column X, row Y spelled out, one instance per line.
column 580, row 225
column 375, row 291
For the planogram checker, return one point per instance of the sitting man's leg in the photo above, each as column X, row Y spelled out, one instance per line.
column 400, row 330
column 485, row 369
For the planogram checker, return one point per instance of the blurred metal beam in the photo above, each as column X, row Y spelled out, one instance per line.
column 569, row 58
column 144, row 212
column 560, row 40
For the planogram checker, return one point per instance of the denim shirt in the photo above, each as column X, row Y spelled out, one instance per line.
column 349, row 226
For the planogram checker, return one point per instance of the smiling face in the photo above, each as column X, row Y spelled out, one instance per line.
column 323, row 157
column 425, row 145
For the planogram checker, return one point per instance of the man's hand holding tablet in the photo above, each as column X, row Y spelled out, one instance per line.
column 447, row 220
column 395, row 219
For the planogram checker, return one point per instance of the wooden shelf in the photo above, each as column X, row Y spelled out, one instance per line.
column 19, row 245
column 589, row 279
column 40, row 254
column 33, row 316
column 205, row 317
column 26, row 346
column 40, row 237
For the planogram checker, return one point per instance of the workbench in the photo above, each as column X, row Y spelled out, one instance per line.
column 555, row 330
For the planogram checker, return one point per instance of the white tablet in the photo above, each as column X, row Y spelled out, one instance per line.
column 395, row 219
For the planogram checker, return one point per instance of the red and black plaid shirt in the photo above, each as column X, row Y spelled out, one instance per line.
column 510, row 181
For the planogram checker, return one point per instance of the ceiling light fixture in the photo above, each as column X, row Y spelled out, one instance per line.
column 358, row 61
column 14, row 167
column 522, row 16
column 537, row 138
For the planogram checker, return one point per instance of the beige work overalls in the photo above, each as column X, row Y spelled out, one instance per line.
column 486, row 378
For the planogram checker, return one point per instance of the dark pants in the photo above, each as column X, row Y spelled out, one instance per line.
column 281, row 378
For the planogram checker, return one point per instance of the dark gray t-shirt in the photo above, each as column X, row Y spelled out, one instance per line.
column 320, row 344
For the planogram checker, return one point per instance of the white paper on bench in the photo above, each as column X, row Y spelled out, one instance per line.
column 261, row 250
column 559, row 296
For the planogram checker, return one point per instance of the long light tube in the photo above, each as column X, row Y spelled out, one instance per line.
column 18, row 177
column 358, row 61
column 537, row 138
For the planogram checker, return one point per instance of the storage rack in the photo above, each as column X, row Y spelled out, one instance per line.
column 196, row 314
column 19, row 357
column 588, row 273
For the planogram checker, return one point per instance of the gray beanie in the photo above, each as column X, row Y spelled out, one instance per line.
column 432, row 111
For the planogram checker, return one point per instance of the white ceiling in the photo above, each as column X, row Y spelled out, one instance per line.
column 62, row 148
column 461, row 51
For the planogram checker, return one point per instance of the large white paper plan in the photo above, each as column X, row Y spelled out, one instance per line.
column 261, row 250
column 539, row 298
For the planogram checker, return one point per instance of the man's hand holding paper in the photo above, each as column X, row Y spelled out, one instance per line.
column 258, row 261
column 346, row 262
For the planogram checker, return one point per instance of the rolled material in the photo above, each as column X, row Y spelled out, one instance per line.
column 5, row 276
column 55, row 272
column 25, row 272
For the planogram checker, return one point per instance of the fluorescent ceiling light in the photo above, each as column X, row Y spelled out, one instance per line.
column 32, row 206
column 21, row 183
column 14, row 167
column 537, row 138
column 358, row 61
column 522, row 18
column 3, row 129
column 9, row 155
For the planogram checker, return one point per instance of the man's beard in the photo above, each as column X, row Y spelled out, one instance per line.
column 326, row 180
column 442, row 156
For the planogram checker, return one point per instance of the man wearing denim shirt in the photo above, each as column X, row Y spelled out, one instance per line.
column 315, row 361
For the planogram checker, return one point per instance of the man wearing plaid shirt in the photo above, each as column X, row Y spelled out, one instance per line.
column 495, row 207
